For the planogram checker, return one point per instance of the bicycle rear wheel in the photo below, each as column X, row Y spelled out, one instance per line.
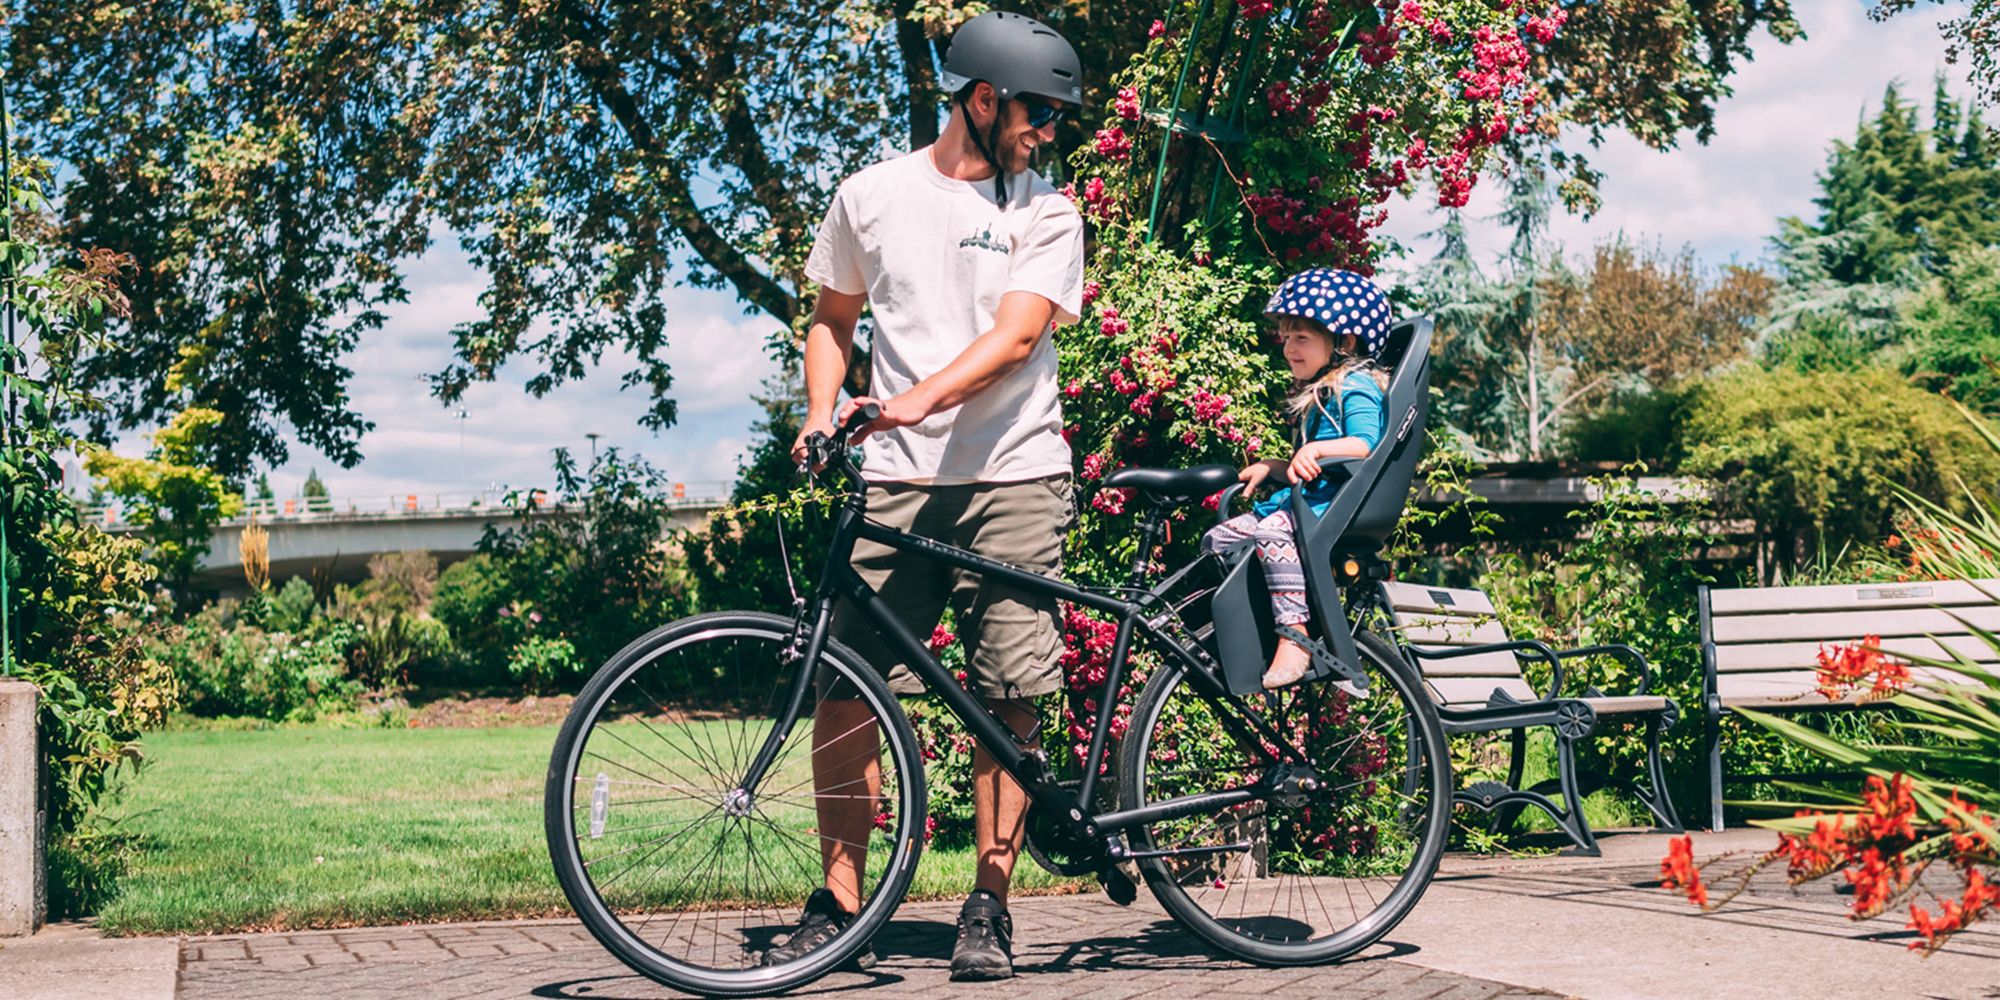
column 1325, row 872
column 677, row 870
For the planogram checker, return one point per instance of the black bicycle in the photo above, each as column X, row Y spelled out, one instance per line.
column 692, row 799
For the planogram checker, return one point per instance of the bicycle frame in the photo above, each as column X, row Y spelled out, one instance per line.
column 1029, row 768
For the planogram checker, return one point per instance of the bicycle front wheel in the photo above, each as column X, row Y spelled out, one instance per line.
column 675, row 866
column 1310, row 877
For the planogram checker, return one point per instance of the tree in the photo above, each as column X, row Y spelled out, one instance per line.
column 171, row 493
column 1899, row 203
column 272, row 164
column 315, row 492
column 1953, row 330
column 1817, row 458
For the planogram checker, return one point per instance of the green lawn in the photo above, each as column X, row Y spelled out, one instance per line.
column 293, row 828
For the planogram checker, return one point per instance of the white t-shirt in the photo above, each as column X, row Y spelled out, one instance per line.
column 934, row 255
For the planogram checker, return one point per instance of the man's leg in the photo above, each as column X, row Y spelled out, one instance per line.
column 847, row 779
column 999, row 804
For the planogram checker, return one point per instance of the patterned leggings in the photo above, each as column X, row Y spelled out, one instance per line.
column 1279, row 553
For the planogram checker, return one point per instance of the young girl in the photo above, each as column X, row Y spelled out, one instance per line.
column 1331, row 323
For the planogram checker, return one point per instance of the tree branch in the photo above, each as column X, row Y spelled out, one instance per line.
column 606, row 82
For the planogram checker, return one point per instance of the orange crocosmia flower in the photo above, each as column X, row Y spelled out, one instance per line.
column 1876, row 880
column 1678, row 871
column 1887, row 808
column 1965, row 839
column 1843, row 669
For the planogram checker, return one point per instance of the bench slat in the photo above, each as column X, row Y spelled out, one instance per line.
column 1799, row 688
column 1850, row 626
column 1432, row 630
column 1864, row 596
column 1499, row 663
column 1765, row 656
column 1476, row 690
column 1413, row 597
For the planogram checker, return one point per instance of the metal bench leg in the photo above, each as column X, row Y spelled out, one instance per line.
column 1517, row 764
column 1573, row 824
column 1715, row 771
column 1656, row 799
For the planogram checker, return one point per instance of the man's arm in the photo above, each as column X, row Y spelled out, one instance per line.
column 1018, row 326
column 829, row 343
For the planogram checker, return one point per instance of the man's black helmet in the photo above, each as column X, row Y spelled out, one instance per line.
column 1017, row 55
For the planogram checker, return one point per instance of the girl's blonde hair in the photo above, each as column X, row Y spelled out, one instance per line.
column 1308, row 393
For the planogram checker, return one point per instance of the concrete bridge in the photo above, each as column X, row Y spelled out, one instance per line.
column 334, row 537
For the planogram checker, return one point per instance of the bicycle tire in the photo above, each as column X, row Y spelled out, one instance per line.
column 706, row 745
column 1423, row 813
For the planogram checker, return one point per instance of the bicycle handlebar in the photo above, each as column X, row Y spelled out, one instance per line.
column 821, row 449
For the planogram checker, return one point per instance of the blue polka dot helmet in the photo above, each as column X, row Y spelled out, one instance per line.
column 1341, row 301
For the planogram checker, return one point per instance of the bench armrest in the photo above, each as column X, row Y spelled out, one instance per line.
column 1617, row 651
column 1517, row 647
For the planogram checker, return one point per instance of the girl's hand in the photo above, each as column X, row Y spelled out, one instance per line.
column 1253, row 476
column 1305, row 464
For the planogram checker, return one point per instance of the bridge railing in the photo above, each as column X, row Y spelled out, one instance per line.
column 377, row 506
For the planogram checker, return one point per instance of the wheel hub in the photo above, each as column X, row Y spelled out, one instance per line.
column 737, row 802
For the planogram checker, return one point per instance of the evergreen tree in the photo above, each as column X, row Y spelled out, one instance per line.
column 317, row 497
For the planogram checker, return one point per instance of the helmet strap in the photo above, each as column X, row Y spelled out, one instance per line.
column 991, row 141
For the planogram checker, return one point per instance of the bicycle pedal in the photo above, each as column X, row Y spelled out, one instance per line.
column 1118, row 886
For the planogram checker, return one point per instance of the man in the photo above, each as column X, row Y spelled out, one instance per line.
column 969, row 259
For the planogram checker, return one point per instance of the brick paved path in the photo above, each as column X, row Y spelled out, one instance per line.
column 1080, row 947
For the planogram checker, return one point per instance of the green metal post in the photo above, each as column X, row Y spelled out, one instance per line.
column 1235, row 118
column 1173, row 116
column 6, row 383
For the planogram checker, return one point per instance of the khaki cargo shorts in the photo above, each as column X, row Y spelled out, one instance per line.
column 1013, row 639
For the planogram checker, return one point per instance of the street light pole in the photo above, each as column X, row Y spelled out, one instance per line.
column 593, row 436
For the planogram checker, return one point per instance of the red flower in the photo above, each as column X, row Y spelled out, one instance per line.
column 1159, row 28
column 1128, row 104
column 1093, row 465
column 940, row 638
column 1678, row 871
column 1255, row 8
column 1113, row 144
column 1112, row 324
column 1843, row 669
column 1887, row 809
column 1091, row 289
column 1111, row 501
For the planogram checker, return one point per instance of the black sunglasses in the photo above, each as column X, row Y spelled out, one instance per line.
column 1040, row 115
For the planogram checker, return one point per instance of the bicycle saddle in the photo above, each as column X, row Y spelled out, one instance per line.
column 1174, row 485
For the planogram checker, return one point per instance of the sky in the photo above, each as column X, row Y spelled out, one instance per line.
column 1722, row 199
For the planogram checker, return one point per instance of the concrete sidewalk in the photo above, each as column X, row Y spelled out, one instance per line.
column 1585, row 927
column 68, row 962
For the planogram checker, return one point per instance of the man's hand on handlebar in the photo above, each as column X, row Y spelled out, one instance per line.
column 892, row 413
column 814, row 425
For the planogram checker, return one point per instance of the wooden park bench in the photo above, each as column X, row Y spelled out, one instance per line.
column 1472, row 670
column 1760, row 647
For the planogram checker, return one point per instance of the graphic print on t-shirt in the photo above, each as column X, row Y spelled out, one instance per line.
column 984, row 240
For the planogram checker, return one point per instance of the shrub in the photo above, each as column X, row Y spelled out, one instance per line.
column 540, row 659
column 468, row 601
column 227, row 667
column 594, row 569
column 392, row 630
column 1812, row 457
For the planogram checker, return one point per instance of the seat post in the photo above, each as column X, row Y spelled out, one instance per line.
column 1148, row 534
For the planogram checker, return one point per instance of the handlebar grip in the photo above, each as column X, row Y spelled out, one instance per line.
column 860, row 418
